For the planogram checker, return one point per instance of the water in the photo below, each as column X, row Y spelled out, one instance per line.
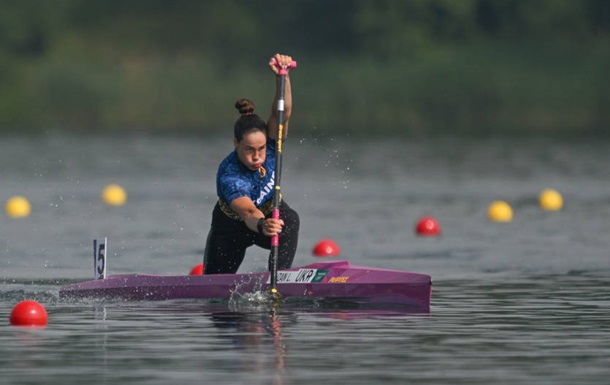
column 521, row 302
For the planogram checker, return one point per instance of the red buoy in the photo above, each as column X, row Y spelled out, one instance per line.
column 326, row 248
column 197, row 270
column 29, row 313
column 428, row 226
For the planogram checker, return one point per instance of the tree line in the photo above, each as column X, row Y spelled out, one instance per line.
column 418, row 66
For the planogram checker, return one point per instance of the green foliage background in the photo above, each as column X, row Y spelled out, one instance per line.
column 420, row 67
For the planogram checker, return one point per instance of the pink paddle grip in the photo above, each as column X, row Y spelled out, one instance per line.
column 275, row 240
column 275, row 214
column 282, row 71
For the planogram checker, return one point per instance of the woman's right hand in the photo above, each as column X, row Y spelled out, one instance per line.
column 272, row 226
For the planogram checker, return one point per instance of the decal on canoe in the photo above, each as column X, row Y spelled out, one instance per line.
column 300, row 276
column 338, row 280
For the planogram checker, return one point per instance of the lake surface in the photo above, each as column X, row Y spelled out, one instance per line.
column 524, row 302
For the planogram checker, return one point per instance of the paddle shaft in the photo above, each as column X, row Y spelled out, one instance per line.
column 277, row 196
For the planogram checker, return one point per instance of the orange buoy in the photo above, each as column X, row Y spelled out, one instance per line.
column 197, row 270
column 326, row 248
column 18, row 207
column 428, row 226
column 500, row 211
column 550, row 200
column 114, row 195
column 29, row 313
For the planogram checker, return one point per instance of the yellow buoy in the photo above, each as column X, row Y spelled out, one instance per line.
column 550, row 199
column 17, row 207
column 500, row 211
column 114, row 195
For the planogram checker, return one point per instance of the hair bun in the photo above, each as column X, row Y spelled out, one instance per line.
column 245, row 106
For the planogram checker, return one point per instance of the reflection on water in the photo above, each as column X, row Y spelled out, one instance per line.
column 259, row 335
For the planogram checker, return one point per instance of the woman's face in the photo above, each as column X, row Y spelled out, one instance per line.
column 251, row 150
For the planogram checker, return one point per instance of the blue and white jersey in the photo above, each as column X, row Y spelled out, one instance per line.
column 234, row 180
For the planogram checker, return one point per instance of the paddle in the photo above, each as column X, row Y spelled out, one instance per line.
column 275, row 240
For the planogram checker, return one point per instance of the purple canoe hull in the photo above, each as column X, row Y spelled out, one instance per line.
column 335, row 279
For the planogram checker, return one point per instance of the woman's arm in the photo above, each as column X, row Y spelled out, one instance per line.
column 251, row 215
column 272, row 123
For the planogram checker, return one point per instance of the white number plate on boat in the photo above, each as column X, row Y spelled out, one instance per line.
column 299, row 276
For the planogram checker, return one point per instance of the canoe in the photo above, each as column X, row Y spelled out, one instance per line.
column 329, row 279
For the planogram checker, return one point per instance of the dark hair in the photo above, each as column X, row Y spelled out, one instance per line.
column 248, row 121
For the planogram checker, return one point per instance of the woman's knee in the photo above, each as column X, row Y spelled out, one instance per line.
column 291, row 219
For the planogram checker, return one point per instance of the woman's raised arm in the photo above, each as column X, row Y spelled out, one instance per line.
column 272, row 123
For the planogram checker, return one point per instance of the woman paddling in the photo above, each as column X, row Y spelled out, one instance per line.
column 245, row 187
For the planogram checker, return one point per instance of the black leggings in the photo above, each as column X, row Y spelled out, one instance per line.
column 228, row 239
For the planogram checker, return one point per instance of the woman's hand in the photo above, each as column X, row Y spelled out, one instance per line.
column 272, row 226
column 279, row 61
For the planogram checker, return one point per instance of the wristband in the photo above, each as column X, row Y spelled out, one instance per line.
column 259, row 225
